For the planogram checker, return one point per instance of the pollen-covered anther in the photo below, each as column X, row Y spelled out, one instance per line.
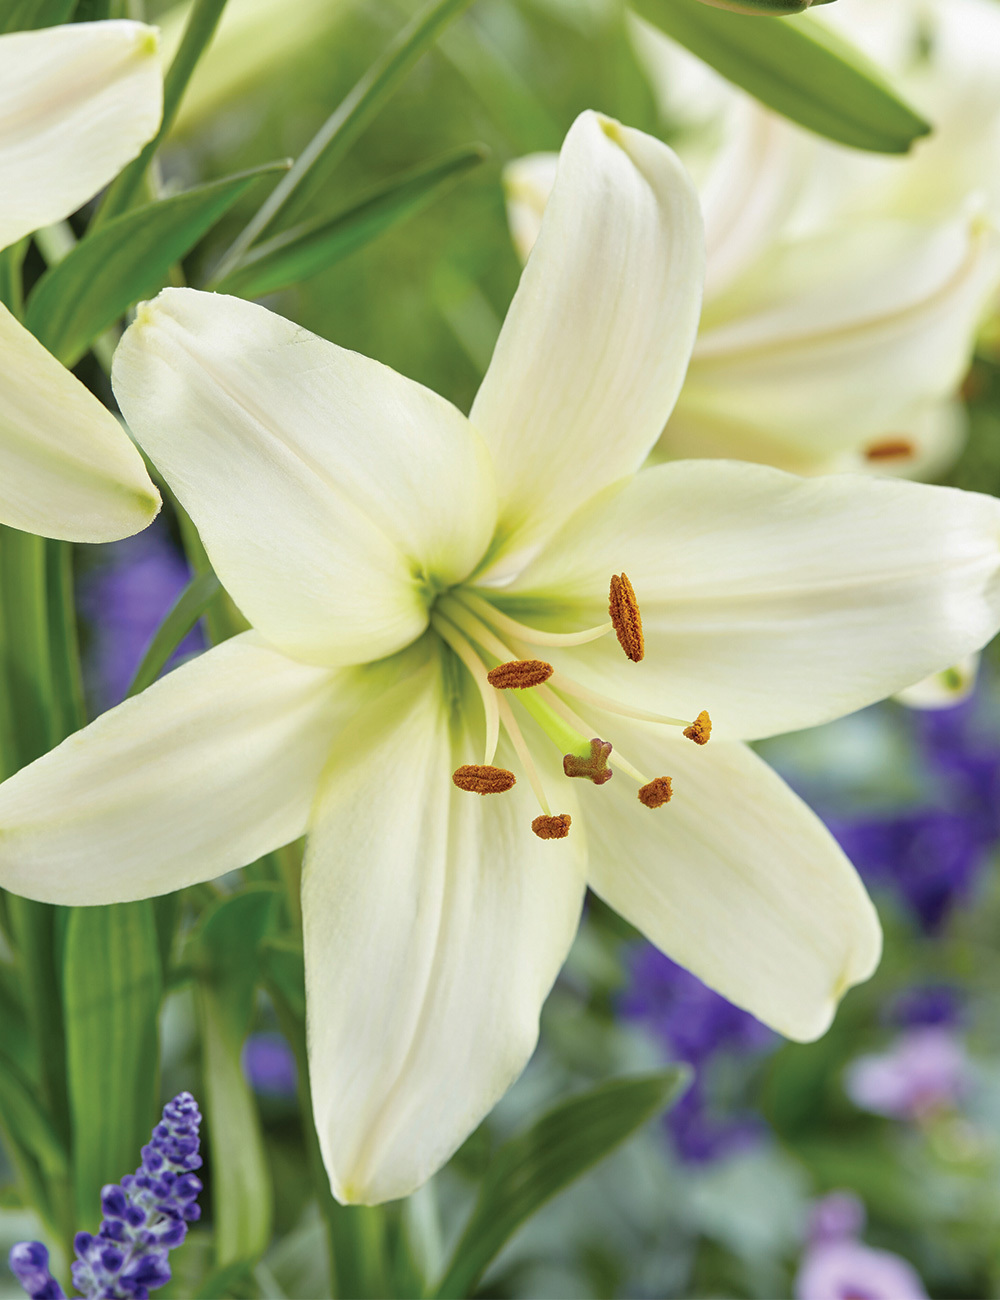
column 700, row 730
column 595, row 766
column 481, row 779
column 891, row 449
column 625, row 617
column 552, row 828
column 519, row 674
column 657, row 792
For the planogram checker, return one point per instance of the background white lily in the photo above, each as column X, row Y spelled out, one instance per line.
column 844, row 290
column 387, row 550
column 76, row 104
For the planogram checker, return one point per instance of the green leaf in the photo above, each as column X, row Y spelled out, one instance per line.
column 40, row 1158
column 531, row 1168
column 26, row 15
column 224, row 957
column 307, row 249
column 769, row 8
column 800, row 68
column 128, row 259
column 112, row 986
column 347, row 121
column 178, row 622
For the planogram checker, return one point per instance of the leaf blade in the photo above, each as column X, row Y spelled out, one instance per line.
column 535, row 1165
column 78, row 298
column 306, row 250
column 800, row 68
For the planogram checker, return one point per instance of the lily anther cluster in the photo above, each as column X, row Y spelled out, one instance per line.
column 471, row 626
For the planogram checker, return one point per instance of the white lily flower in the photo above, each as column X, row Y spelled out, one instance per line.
column 405, row 570
column 76, row 104
column 841, row 305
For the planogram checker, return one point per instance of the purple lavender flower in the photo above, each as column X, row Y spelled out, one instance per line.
column 124, row 602
column 837, row 1266
column 933, row 855
column 925, row 1070
column 145, row 1217
column 697, row 1025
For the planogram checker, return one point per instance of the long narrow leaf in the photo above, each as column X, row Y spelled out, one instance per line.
column 306, row 250
column 128, row 259
column 180, row 619
column 797, row 66
column 342, row 127
column 113, row 984
column 25, row 15
column 531, row 1168
column 224, row 956
column 200, row 28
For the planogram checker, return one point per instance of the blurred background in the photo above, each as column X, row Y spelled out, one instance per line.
column 781, row 1158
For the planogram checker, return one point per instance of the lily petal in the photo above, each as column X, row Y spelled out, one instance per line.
column 333, row 496
column 76, row 104
column 203, row 772
column 735, row 878
column 893, row 305
column 593, row 351
column 435, row 924
column 772, row 601
column 67, row 468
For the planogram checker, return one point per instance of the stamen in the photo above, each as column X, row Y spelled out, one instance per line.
column 891, row 449
column 552, row 828
column 700, row 730
column 522, row 632
column 477, row 670
column 595, row 766
column 657, row 792
column 523, row 753
column 480, row 778
column 568, row 687
column 625, row 617
column 519, row 674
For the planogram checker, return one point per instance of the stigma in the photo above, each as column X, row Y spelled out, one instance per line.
column 594, row 767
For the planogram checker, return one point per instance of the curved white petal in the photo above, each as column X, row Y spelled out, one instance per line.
column 76, row 104
column 333, row 495
column 772, row 601
column 834, row 339
column 435, row 924
column 597, row 339
column 67, row 468
column 945, row 689
column 200, row 774
column 735, row 878
column 527, row 184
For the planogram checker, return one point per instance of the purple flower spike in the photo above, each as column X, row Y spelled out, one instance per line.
column 29, row 1262
column 144, row 1219
column 837, row 1266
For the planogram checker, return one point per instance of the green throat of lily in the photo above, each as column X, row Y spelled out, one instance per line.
column 496, row 651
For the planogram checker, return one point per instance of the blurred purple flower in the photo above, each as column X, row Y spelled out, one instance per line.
column 123, row 601
column 269, row 1065
column 697, row 1025
column 836, row 1266
column 933, row 855
column 925, row 1070
column 926, row 1004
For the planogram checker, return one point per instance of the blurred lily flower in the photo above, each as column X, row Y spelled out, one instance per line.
column 76, row 104
column 837, row 1266
column 841, row 309
column 402, row 567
